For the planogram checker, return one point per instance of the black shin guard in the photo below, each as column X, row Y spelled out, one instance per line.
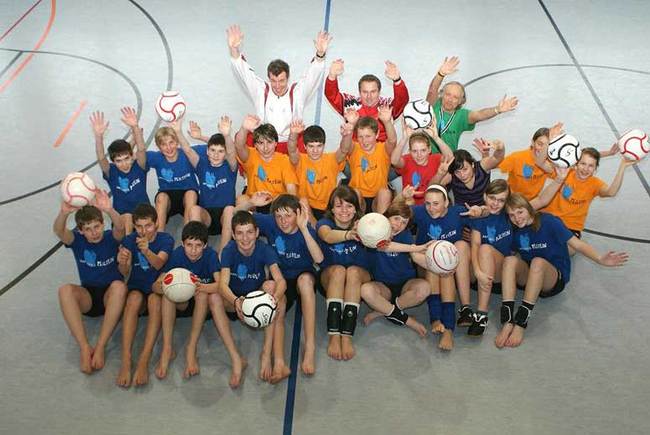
column 349, row 322
column 334, row 311
column 507, row 310
column 523, row 314
column 397, row 316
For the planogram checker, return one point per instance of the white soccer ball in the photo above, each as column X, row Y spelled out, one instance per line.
column 418, row 114
column 170, row 106
column 373, row 229
column 564, row 151
column 179, row 285
column 78, row 189
column 442, row 257
column 634, row 145
column 258, row 308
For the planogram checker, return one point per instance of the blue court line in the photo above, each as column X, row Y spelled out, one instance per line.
column 297, row 323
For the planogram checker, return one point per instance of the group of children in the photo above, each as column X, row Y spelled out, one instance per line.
column 293, row 230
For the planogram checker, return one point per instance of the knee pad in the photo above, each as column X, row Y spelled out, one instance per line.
column 448, row 317
column 507, row 308
column 397, row 316
column 523, row 314
column 334, row 312
column 349, row 321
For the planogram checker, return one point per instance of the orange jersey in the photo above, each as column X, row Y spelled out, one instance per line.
column 317, row 179
column 571, row 203
column 524, row 176
column 369, row 171
column 272, row 176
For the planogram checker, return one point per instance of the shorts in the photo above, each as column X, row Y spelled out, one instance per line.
column 368, row 203
column 395, row 290
column 97, row 307
column 176, row 201
column 215, row 217
column 232, row 316
column 557, row 288
column 187, row 312
column 292, row 289
column 318, row 214
column 576, row 233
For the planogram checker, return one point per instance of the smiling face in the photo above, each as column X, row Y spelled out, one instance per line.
column 519, row 216
column 286, row 219
column 369, row 92
column 435, row 203
column 265, row 147
column 420, row 151
column 279, row 83
column 452, row 97
column 314, row 150
column 216, row 154
column 245, row 237
column 586, row 166
column 367, row 138
column 168, row 146
column 495, row 202
column 343, row 212
column 540, row 146
column 397, row 224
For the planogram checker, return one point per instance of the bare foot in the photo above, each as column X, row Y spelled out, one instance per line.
column 368, row 318
column 437, row 327
column 347, row 350
column 307, row 366
column 238, row 367
column 191, row 365
column 503, row 335
column 265, row 368
column 97, row 361
column 280, row 372
column 85, row 360
column 516, row 337
column 141, row 374
column 166, row 356
column 446, row 340
column 124, row 376
column 334, row 347
column 418, row 327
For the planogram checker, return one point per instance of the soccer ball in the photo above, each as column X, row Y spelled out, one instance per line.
column 418, row 114
column 179, row 285
column 564, row 151
column 170, row 106
column 258, row 308
column 373, row 229
column 78, row 189
column 442, row 257
column 633, row 145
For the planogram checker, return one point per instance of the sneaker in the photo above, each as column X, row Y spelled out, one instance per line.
column 478, row 326
column 464, row 316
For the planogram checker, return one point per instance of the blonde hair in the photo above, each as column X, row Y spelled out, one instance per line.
column 517, row 200
column 165, row 131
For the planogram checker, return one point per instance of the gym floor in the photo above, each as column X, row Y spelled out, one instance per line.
column 582, row 366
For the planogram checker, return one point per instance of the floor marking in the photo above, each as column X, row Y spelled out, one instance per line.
column 69, row 125
column 19, row 20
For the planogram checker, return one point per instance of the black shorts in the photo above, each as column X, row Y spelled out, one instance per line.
column 97, row 307
column 368, row 202
column 576, row 233
column 557, row 288
column 395, row 290
column 318, row 214
column 175, row 200
column 232, row 316
column 187, row 312
column 215, row 220
column 292, row 289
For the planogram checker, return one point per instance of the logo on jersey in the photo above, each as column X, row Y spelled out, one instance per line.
column 261, row 173
column 242, row 271
column 90, row 258
column 311, row 176
column 566, row 192
column 123, row 184
column 364, row 164
column 527, row 171
column 416, row 179
column 144, row 264
column 210, row 180
column 167, row 174
column 338, row 248
column 491, row 233
column 524, row 242
column 434, row 231
column 280, row 246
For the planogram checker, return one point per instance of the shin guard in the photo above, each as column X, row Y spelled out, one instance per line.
column 349, row 322
column 334, row 312
column 507, row 311
column 523, row 314
column 397, row 316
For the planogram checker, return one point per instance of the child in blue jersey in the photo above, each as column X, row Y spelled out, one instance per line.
column 215, row 165
column 141, row 257
column 344, row 270
column 244, row 264
column 196, row 256
column 178, row 190
column 395, row 286
column 127, row 181
column 542, row 264
column 102, row 289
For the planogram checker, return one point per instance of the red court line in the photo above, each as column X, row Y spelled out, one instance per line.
column 69, row 125
column 40, row 42
column 19, row 20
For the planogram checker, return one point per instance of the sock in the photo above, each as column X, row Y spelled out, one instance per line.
column 448, row 316
column 435, row 308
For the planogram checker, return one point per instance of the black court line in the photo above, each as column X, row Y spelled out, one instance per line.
column 170, row 77
column 644, row 182
column 616, row 236
column 11, row 62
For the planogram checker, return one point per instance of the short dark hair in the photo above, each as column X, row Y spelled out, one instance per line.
column 460, row 157
column 243, row 218
column 285, row 201
column 88, row 214
column 541, row 132
column 119, row 147
column 277, row 67
column 217, row 139
column 313, row 133
column 195, row 230
column 367, row 122
column 370, row 78
column 265, row 131
column 347, row 194
column 144, row 211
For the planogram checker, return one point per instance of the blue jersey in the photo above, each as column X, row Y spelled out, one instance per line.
column 204, row 268
column 216, row 183
column 393, row 267
column 96, row 262
column 347, row 253
column 496, row 231
column 178, row 175
column 144, row 274
column 549, row 243
column 128, row 189
column 292, row 249
column 247, row 273
column 448, row 227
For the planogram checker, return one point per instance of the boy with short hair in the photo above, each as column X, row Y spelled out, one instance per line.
column 142, row 255
column 127, row 182
column 244, row 262
column 102, row 290
column 177, row 186
column 196, row 256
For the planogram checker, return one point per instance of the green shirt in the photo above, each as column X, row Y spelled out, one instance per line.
column 459, row 124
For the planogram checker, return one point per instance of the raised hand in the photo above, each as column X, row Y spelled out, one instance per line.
column 347, row 129
column 351, row 116
column 408, row 192
column 235, row 36
column 102, row 200
column 482, row 146
column 98, row 124
column 555, row 131
column 507, row 104
column 445, row 162
column 321, row 42
column 406, row 130
column 449, row 66
column 129, row 116
column 473, row 211
column 385, row 113
column 432, row 129
column 195, row 131
column 302, row 216
column 613, row 259
column 261, row 198
column 177, row 125
column 67, row 208
column 296, row 127
column 392, row 72
column 336, row 69
column 225, row 125
column 250, row 122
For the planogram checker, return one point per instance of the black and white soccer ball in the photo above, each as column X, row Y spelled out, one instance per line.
column 258, row 308
column 418, row 114
column 564, row 151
